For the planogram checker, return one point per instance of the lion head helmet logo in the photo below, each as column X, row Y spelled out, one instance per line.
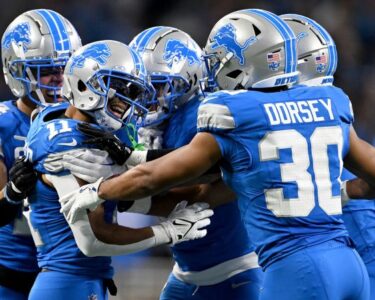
column 226, row 37
column 176, row 51
column 98, row 52
column 19, row 34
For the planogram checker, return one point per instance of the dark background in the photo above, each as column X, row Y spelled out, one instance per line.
column 350, row 22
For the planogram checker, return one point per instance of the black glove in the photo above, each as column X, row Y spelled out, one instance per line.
column 22, row 179
column 106, row 141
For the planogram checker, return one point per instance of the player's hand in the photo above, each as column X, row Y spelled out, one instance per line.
column 74, row 203
column 151, row 138
column 22, row 179
column 105, row 141
column 91, row 164
column 185, row 223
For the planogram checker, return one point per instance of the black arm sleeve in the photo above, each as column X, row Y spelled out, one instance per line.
column 8, row 212
column 157, row 153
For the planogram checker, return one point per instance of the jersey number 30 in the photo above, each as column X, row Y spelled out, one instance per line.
column 297, row 172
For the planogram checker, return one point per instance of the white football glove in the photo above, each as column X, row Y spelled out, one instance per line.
column 184, row 223
column 151, row 138
column 84, row 198
column 91, row 164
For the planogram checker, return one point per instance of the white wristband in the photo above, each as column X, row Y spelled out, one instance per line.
column 161, row 235
column 141, row 206
column 136, row 157
column 8, row 199
column 344, row 195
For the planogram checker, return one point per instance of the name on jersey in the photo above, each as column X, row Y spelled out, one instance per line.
column 294, row 112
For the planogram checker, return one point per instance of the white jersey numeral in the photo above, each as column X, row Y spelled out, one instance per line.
column 297, row 170
column 53, row 131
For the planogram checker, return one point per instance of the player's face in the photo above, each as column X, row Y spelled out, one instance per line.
column 52, row 77
column 117, row 107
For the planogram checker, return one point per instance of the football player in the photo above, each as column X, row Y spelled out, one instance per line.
column 106, row 84
column 35, row 48
column 280, row 149
column 317, row 62
column 173, row 60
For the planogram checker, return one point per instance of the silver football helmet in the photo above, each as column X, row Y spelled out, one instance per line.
column 108, row 81
column 317, row 55
column 37, row 43
column 173, row 61
column 251, row 48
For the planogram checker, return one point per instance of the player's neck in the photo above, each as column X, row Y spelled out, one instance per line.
column 25, row 105
column 74, row 113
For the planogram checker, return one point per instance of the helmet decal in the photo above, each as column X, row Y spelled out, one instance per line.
column 301, row 35
column 321, row 62
column 57, row 29
column 288, row 36
column 226, row 37
column 273, row 60
column 176, row 51
column 20, row 34
column 97, row 52
column 141, row 41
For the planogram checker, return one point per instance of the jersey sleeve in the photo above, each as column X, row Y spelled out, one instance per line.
column 214, row 115
column 51, row 142
column 344, row 107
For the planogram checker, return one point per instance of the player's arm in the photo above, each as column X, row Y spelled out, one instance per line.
column 360, row 160
column 92, row 164
column 175, row 168
column 22, row 179
column 215, row 194
column 95, row 237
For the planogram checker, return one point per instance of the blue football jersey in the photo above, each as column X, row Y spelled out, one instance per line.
column 227, row 237
column 17, row 249
column 282, row 156
column 50, row 134
column 359, row 219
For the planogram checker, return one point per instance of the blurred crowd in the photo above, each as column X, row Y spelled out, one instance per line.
column 350, row 22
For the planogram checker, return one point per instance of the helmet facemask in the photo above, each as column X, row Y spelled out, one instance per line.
column 168, row 89
column 34, row 72
column 123, row 98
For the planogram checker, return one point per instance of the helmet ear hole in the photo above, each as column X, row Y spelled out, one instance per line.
column 256, row 30
column 234, row 74
column 81, row 86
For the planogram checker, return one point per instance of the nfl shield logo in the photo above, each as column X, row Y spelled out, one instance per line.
column 273, row 60
column 321, row 63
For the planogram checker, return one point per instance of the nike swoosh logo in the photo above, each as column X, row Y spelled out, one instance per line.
column 185, row 223
column 236, row 285
column 71, row 144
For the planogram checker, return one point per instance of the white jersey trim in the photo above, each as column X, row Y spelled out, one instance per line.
column 218, row 273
